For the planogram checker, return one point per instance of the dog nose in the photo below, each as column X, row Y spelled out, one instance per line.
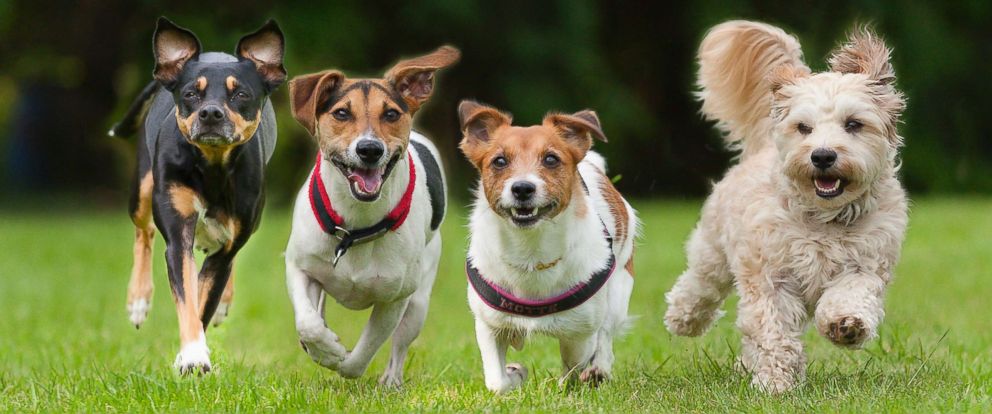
column 370, row 150
column 523, row 190
column 211, row 113
column 823, row 158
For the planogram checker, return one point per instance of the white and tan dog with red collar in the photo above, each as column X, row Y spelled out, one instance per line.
column 552, row 243
column 365, row 225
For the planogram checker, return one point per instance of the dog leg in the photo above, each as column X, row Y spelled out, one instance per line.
column 193, row 356
column 214, row 279
column 772, row 318
column 382, row 323
column 576, row 355
column 694, row 302
column 500, row 376
column 413, row 319
column 141, row 286
column 225, row 302
column 319, row 342
column 850, row 310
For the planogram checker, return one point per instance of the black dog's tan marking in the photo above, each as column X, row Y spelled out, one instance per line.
column 206, row 131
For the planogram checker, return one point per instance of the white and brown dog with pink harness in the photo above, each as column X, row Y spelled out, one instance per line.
column 552, row 243
column 365, row 225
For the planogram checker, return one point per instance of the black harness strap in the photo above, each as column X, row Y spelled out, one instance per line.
column 501, row 300
column 435, row 183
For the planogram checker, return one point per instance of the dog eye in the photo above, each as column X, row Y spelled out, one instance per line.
column 242, row 95
column 804, row 129
column 853, row 125
column 551, row 161
column 500, row 162
column 191, row 95
column 341, row 114
column 391, row 115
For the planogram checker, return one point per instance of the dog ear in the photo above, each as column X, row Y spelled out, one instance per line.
column 577, row 129
column 864, row 53
column 414, row 78
column 265, row 47
column 867, row 54
column 479, row 122
column 308, row 93
column 172, row 46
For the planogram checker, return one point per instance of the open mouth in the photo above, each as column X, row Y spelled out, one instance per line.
column 212, row 139
column 366, row 182
column 528, row 216
column 829, row 186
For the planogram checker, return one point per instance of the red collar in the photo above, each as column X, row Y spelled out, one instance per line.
column 332, row 223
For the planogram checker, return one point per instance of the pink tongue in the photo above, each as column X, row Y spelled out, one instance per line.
column 826, row 182
column 368, row 180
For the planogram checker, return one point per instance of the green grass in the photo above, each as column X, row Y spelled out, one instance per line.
column 66, row 344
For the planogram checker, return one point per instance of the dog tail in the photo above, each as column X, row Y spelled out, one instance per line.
column 136, row 113
column 735, row 60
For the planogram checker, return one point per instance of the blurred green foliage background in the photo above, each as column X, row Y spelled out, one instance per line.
column 68, row 70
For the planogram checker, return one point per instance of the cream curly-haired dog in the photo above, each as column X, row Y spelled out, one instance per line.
column 810, row 222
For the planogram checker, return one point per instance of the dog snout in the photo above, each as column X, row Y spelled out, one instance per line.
column 211, row 114
column 823, row 158
column 523, row 190
column 369, row 150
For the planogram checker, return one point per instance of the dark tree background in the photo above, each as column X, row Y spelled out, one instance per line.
column 68, row 69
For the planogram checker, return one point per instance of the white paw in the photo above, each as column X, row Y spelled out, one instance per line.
column 351, row 367
column 594, row 375
column 221, row 314
column 516, row 374
column 137, row 311
column 193, row 358
column 322, row 345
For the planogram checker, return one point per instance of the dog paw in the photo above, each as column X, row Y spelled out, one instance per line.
column 594, row 376
column 193, row 358
column 220, row 314
column 516, row 374
column 323, row 347
column 690, row 323
column 137, row 311
column 848, row 331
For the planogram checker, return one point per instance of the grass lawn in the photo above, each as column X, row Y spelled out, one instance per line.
column 66, row 343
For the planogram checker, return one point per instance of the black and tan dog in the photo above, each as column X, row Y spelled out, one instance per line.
column 206, row 131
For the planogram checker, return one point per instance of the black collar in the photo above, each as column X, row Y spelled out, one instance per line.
column 503, row 301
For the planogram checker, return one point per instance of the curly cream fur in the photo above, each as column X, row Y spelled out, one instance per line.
column 791, row 254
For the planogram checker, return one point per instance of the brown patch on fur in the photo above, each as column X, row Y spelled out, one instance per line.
column 183, row 199
column 629, row 267
column 141, row 285
column 142, row 216
column 309, row 92
column 201, row 83
column 188, row 306
column 245, row 129
column 228, row 296
column 367, row 111
column 185, row 124
column 231, row 83
column 488, row 135
column 404, row 88
column 618, row 209
column 233, row 228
